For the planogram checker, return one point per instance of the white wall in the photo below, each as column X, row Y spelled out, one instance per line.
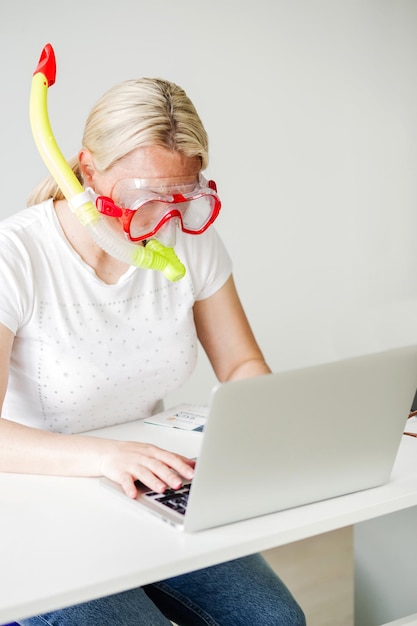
column 385, row 554
column 311, row 107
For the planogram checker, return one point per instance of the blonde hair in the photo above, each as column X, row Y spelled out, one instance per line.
column 131, row 115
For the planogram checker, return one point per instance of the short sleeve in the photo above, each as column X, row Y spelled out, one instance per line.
column 207, row 260
column 16, row 282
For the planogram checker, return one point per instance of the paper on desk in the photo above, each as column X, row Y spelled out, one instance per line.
column 182, row 416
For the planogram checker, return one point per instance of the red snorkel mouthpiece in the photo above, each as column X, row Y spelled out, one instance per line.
column 47, row 64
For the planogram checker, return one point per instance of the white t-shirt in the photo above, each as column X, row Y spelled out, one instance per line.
column 88, row 354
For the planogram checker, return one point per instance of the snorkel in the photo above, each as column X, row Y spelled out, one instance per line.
column 154, row 255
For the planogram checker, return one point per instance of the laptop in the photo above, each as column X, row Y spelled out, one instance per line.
column 290, row 438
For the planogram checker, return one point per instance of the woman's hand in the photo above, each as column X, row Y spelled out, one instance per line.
column 33, row 451
column 125, row 462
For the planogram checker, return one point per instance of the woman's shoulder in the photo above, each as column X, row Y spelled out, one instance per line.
column 207, row 243
column 207, row 260
column 26, row 218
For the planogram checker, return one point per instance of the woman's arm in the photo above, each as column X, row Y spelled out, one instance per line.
column 33, row 451
column 225, row 334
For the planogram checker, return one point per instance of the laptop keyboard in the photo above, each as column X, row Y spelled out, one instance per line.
column 175, row 499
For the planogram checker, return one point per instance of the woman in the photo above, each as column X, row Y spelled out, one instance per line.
column 87, row 341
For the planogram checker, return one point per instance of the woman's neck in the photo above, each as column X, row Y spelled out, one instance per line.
column 106, row 267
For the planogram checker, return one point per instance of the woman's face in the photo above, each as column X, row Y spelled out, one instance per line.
column 152, row 163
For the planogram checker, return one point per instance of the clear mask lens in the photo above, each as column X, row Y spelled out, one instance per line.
column 198, row 212
column 147, row 217
column 192, row 205
column 192, row 214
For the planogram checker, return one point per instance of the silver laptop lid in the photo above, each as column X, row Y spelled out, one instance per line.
column 290, row 438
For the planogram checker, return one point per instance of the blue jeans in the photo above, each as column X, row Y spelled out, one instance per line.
column 244, row 592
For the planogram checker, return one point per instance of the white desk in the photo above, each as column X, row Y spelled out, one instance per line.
column 67, row 540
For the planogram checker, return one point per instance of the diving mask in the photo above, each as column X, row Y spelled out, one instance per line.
column 154, row 254
column 146, row 206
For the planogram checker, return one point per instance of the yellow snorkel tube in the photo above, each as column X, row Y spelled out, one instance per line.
column 154, row 255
